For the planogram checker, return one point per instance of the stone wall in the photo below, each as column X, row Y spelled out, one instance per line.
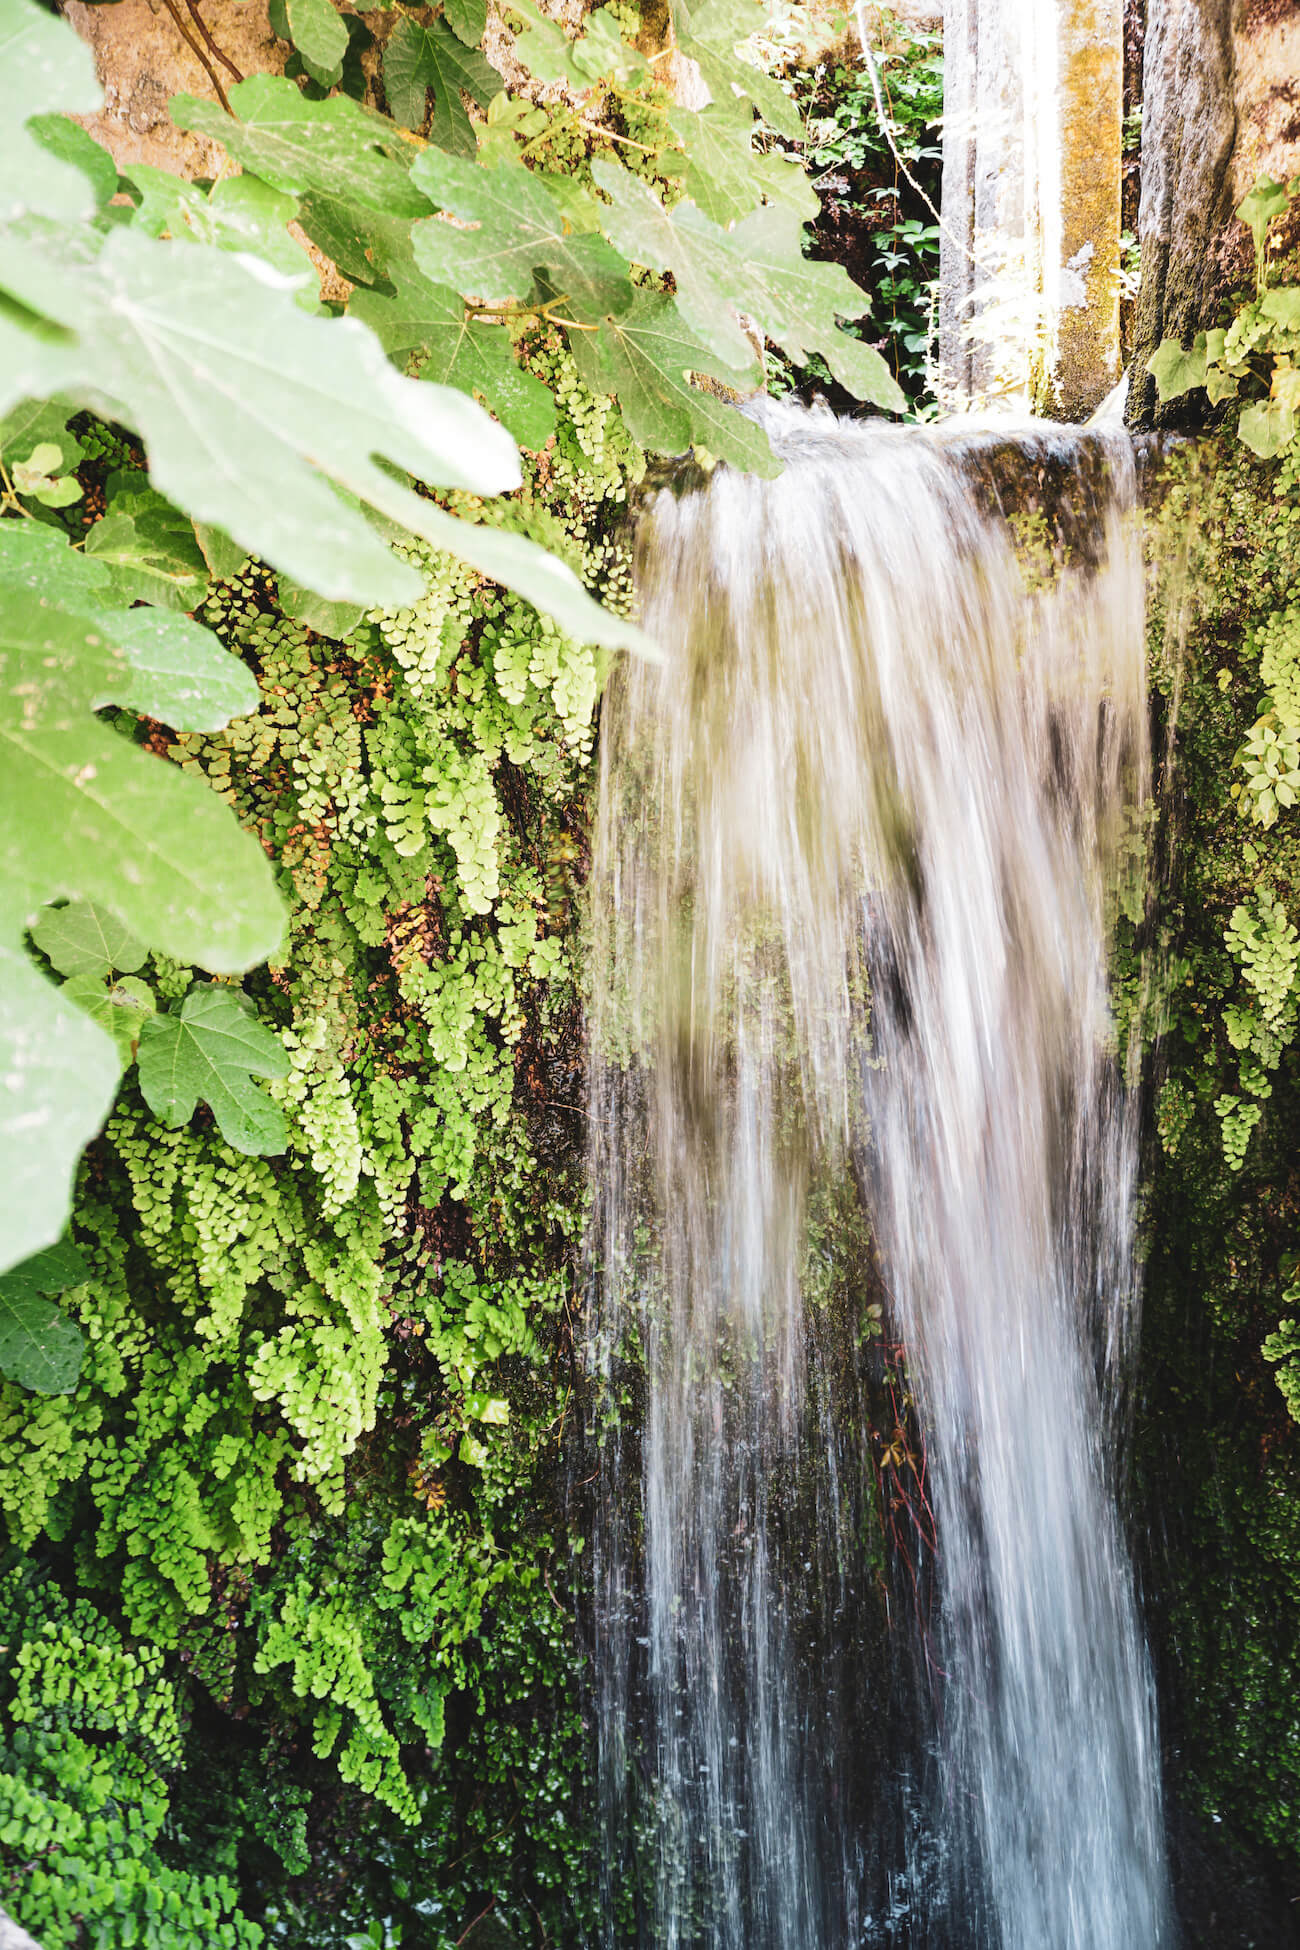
column 1221, row 108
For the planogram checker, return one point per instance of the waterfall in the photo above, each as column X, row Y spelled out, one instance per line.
column 854, row 1088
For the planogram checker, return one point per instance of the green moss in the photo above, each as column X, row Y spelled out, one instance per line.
column 1218, row 1451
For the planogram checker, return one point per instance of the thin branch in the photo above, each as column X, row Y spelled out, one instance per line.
column 197, row 51
column 202, row 26
column 477, row 1919
column 609, row 135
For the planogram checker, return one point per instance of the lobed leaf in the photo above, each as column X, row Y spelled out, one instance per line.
column 209, row 1050
column 519, row 230
column 39, row 1348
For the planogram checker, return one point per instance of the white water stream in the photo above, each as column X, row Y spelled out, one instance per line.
column 854, row 850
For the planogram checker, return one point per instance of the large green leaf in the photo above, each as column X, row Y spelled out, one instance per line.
column 34, row 423
column 467, row 19
column 700, row 256
column 1175, row 371
column 418, row 58
column 209, row 1050
column 317, row 32
column 42, row 67
column 334, row 148
column 349, row 168
column 240, row 213
column 70, row 143
column 182, row 673
column 643, row 358
column 549, row 55
column 81, row 938
column 39, row 1349
column 84, row 812
column 280, row 406
column 58, row 1077
column 712, row 37
column 519, row 230
column 758, row 269
column 460, row 350
column 119, row 1007
column 149, row 548
column 719, row 160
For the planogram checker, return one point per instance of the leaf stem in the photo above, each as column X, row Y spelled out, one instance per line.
column 197, row 51
column 220, row 53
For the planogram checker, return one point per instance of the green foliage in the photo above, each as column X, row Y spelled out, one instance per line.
column 291, row 1654
column 879, row 183
column 39, row 1349
column 90, row 814
column 209, row 1049
column 1218, row 1448
column 1254, row 356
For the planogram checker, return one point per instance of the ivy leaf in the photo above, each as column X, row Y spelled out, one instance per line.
column 1220, row 385
column 1282, row 306
column 419, row 58
column 643, row 358
column 42, row 67
column 467, row 19
column 152, row 556
column 1175, row 371
column 519, row 230
column 82, row 938
column 1267, row 427
column 210, row 1050
column 317, row 32
column 240, row 213
column 1266, row 201
column 460, row 351
column 120, row 1009
column 39, row 1348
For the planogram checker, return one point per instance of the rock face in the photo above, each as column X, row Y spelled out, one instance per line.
column 1029, row 273
column 142, row 59
column 1189, row 124
column 1221, row 108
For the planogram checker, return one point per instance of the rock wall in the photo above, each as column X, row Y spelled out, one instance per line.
column 1221, row 108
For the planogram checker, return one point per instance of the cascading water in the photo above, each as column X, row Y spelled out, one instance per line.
column 856, row 842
